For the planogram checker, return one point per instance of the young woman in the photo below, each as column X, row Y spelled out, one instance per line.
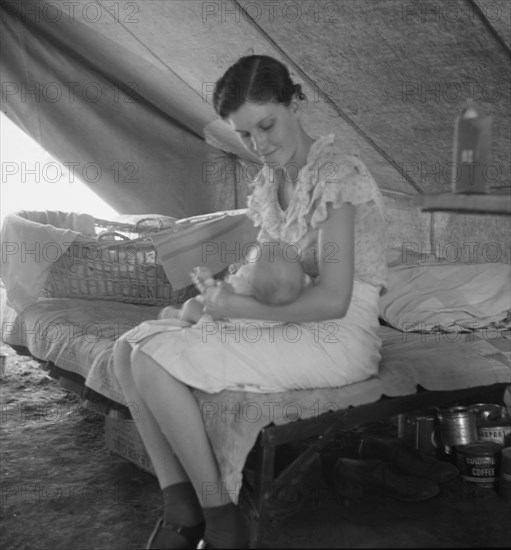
column 327, row 205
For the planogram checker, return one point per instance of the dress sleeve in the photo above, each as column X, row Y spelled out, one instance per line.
column 339, row 181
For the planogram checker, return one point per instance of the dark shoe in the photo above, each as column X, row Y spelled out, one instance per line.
column 355, row 478
column 166, row 536
column 407, row 460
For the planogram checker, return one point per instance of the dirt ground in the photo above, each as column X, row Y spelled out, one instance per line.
column 61, row 489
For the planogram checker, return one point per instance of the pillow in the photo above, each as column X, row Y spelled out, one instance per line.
column 447, row 297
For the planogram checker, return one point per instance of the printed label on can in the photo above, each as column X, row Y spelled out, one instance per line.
column 498, row 434
column 478, row 463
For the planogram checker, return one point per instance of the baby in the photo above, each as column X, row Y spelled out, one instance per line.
column 270, row 278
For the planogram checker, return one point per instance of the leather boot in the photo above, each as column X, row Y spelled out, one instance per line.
column 356, row 478
column 406, row 460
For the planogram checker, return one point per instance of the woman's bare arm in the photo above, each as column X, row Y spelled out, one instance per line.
column 328, row 299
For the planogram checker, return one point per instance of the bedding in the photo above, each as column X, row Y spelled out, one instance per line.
column 78, row 336
column 440, row 296
column 31, row 242
column 212, row 241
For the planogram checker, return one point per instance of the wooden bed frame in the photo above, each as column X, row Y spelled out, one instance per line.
column 325, row 427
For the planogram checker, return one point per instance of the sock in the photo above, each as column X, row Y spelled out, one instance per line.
column 181, row 505
column 225, row 527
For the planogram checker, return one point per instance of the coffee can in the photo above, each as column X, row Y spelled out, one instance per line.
column 479, row 463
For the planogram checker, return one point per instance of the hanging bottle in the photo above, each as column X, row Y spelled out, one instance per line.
column 472, row 151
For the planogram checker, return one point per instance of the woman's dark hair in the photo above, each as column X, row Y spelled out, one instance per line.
column 256, row 78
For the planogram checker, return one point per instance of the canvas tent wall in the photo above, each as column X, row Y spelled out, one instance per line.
column 122, row 91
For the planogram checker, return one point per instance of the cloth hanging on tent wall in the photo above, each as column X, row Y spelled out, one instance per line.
column 122, row 125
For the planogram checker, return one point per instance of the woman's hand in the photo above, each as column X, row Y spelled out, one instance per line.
column 216, row 300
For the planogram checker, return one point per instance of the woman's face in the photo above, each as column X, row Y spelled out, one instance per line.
column 271, row 131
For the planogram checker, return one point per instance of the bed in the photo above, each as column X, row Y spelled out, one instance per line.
column 438, row 354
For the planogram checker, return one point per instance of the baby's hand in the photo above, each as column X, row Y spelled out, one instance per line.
column 202, row 278
column 215, row 300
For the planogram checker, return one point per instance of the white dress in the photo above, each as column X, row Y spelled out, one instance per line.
column 266, row 356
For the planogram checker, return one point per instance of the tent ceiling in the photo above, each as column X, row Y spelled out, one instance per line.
column 388, row 76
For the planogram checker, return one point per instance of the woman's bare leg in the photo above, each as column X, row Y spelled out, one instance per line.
column 175, row 410
column 166, row 464
column 172, row 428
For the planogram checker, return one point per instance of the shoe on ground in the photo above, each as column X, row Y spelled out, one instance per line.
column 166, row 536
column 406, row 460
column 354, row 478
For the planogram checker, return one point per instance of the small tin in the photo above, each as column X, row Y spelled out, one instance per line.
column 486, row 411
column 498, row 431
column 479, row 463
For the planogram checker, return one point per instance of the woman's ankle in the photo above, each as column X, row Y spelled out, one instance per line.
column 225, row 527
column 181, row 505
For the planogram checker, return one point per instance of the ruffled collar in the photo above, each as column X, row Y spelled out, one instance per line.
column 290, row 225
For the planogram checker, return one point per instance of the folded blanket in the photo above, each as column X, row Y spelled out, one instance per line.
column 447, row 297
column 218, row 241
column 31, row 242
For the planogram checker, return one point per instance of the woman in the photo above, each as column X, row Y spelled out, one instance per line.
column 327, row 205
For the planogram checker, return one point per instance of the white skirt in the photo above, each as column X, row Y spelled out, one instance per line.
column 266, row 356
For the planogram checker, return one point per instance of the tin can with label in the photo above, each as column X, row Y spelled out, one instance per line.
column 498, row 431
column 479, row 463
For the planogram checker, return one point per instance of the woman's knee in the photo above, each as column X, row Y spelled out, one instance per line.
column 148, row 376
column 138, row 368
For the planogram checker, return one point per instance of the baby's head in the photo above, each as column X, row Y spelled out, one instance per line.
column 276, row 279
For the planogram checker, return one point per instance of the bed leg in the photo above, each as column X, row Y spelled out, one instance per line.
column 264, row 480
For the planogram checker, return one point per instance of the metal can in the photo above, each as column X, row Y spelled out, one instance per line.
column 479, row 462
column 457, row 426
column 417, row 430
column 486, row 411
column 498, row 431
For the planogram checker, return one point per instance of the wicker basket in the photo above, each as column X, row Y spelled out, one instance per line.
column 121, row 265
